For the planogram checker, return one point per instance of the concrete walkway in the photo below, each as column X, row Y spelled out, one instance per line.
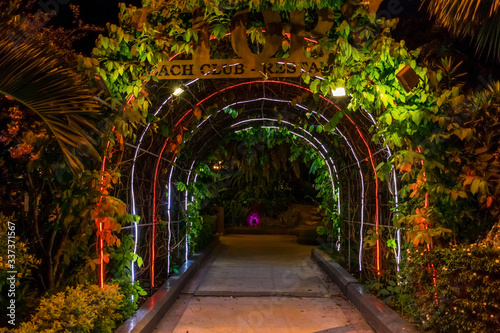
column 262, row 283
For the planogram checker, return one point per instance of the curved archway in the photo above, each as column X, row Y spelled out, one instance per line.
column 349, row 132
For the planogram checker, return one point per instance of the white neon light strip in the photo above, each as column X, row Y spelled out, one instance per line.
column 132, row 178
column 362, row 202
column 169, row 216
column 186, row 207
column 319, row 151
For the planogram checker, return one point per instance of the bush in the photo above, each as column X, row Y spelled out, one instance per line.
column 85, row 308
column 206, row 233
column 287, row 218
column 455, row 289
column 25, row 264
column 131, row 293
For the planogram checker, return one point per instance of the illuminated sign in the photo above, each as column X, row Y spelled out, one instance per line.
column 249, row 64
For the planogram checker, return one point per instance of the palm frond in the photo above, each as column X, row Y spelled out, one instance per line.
column 478, row 19
column 36, row 78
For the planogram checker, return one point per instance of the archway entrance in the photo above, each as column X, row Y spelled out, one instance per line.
column 277, row 68
column 349, row 156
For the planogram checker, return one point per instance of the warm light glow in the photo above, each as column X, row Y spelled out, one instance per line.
column 339, row 92
column 178, row 91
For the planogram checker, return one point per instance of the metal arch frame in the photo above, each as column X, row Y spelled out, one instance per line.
column 231, row 87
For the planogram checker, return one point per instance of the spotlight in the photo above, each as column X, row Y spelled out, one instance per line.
column 178, row 91
column 339, row 92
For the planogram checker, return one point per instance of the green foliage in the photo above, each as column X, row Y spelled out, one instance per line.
column 122, row 256
column 234, row 212
column 196, row 227
column 390, row 291
column 206, row 233
column 454, row 289
column 37, row 78
column 80, row 309
column 288, row 218
column 131, row 293
column 23, row 261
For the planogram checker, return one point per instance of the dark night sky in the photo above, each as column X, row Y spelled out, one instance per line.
column 415, row 26
column 97, row 12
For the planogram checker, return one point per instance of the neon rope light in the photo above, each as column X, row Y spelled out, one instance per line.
column 291, row 124
column 169, row 216
column 376, row 196
column 132, row 191
column 345, row 138
column 101, row 225
column 360, row 255
column 396, row 198
column 186, row 207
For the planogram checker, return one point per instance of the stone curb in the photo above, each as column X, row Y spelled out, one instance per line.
column 150, row 313
column 380, row 316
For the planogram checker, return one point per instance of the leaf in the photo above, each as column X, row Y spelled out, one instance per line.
column 36, row 77
column 314, row 85
column 489, row 201
column 475, row 185
column 197, row 113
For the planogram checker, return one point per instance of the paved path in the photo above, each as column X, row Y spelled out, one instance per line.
column 262, row 283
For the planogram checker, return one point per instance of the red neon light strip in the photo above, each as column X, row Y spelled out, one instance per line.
column 101, row 242
column 154, row 215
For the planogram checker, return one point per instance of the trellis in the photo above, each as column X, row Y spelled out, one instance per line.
column 354, row 162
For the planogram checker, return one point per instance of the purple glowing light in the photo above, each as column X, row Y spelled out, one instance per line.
column 253, row 219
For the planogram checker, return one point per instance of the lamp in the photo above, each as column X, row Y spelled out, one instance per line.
column 178, row 91
column 339, row 92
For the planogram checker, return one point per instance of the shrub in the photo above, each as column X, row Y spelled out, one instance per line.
column 206, row 233
column 84, row 308
column 287, row 218
column 131, row 293
column 455, row 289
column 25, row 264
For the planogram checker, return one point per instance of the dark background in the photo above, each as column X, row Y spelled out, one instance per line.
column 415, row 27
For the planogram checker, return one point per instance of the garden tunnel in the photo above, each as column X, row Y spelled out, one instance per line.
column 348, row 150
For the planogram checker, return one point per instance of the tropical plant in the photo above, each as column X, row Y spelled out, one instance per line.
column 478, row 19
column 453, row 289
column 84, row 308
column 36, row 78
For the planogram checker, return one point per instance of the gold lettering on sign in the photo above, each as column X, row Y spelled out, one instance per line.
column 252, row 65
